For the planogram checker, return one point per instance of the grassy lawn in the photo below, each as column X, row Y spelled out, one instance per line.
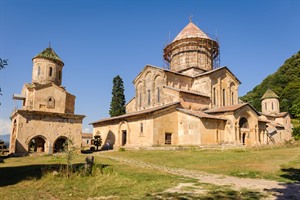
column 33, row 178
column 278, row 163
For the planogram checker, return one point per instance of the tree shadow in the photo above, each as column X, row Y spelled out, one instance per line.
column 289, row 190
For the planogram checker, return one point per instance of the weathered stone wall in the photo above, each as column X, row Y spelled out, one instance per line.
column 50, row 128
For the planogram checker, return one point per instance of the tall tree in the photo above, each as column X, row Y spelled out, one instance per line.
column 117, row 104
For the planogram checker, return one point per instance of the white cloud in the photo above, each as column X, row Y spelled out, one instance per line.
column 4, row 126
column 87, row 130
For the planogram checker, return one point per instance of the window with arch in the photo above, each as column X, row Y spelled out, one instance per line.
column 232, row 98
column 39, row 70
column 50, row 71
column 149, row 98
column 214, row 96
column 224, row 96
column 266, row 107
column 50, row 102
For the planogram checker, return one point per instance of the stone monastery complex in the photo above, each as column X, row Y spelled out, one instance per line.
column 191, row 103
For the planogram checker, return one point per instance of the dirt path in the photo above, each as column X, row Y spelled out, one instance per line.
column 277, row 190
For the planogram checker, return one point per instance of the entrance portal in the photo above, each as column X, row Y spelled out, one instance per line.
column 60, row 145
column 124, row 137
column 168, row 138
column 37, row 144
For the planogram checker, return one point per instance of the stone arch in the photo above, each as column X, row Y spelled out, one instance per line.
column 37, row 143
column 124, row 133
column 60, row 144
column 232, row 95
column 50, row 102
column 139, row 94
column 158, row 84
column 243, row 122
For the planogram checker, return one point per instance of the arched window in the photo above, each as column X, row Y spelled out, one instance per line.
column 149, row 98
column 232, row 98
column 39, row 70
column 50, row 102
column 224, row 94
column 50, row 71
column 214, row 96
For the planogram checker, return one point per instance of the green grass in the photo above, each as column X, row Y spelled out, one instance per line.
column 269, row 163
column 28, row 178
column 33, row 178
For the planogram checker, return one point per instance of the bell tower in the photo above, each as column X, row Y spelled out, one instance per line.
column 191, row 48
column 47, row 67
column 270, row 103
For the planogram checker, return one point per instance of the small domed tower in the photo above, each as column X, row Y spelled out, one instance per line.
column 47, row 67
column 191, row 48
column 270, row 103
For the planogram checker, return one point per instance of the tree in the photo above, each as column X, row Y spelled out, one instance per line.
column 97, row 141
column 3, row 63
column 117, row 104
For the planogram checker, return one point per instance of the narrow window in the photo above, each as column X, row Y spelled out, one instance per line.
column 50, row 71
column 59, row 75
column 266, row 107
column 232, row 100
column 50, row 102
column 158, row 95
column 272, row 106
column 87, row 141
column 142, row 128
column 39, row 70
column 214, row 96
column 149, row 98
column 140, row 100
column 223, row 91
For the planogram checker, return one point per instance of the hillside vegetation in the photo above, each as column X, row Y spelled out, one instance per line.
column 285, row 82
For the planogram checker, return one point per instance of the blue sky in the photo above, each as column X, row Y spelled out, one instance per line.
column 98, row 40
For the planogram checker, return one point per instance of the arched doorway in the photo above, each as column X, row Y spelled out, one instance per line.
column 37, row 144
column 244, row 129
column 61, row 144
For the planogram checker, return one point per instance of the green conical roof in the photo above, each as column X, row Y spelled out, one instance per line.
column 269, row 94
column 50, row 54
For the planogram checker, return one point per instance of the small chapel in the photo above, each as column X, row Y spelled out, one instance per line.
column 193, row 102
column 46, row 120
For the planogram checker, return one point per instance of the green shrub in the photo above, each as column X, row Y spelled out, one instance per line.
column 296, row 133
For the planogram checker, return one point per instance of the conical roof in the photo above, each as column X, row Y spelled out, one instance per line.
column 269, row 94
column 50, row 54
column 191, row 31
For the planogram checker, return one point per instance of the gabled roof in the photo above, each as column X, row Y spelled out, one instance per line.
column 191, row 31
column 186, row 91
column 269, row 94
column 36, row 86
column 200, row 114
column 218, row 69
column 150, row 110
column 50, row 54
column 232, row 108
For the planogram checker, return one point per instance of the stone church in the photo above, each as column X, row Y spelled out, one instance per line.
column 193, row 102
column 46, row 120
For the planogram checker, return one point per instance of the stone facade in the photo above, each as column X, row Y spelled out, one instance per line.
column 191, row 103
column 46, row 120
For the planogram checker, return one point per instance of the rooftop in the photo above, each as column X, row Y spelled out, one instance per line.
column 50, row 54
column 191, row 31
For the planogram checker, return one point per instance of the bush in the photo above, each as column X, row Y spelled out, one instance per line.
column 296, row 133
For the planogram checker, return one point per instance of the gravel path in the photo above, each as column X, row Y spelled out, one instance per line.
column 277, row 190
